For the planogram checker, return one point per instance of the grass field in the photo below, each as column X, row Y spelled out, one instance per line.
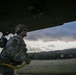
column 50, row 67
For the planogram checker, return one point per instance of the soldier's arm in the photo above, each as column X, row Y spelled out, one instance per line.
column 28, row 60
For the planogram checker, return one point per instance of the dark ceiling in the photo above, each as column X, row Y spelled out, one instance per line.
column 36, row 14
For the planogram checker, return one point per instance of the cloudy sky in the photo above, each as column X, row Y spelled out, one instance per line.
column 50, row 39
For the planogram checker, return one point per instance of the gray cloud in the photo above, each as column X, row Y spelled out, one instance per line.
column 34, row 49
column 66, row 32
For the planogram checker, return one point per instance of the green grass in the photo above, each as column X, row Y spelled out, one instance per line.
column 60, row 67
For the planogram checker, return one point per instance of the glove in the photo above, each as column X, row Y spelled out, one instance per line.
column 28, row 60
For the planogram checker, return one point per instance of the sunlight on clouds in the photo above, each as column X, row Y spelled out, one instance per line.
column 36, row 44
column 56, row 38
column 50, row 46
column 60, row 45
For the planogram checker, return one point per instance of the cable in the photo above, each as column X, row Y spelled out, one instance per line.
column 14, row 67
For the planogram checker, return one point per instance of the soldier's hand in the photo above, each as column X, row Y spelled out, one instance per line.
column 28, row 60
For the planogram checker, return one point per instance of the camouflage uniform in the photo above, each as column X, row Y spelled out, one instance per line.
column 13, row 53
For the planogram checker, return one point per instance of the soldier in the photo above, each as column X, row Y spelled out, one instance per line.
column 15, row 51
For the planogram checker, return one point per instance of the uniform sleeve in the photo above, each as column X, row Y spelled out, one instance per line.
column 25, row 49
column 12, row 50
column 26, row 54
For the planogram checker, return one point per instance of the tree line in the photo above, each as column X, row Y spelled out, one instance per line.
column 59, row 54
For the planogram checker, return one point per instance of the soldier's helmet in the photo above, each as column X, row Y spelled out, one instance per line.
column 19, row 28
